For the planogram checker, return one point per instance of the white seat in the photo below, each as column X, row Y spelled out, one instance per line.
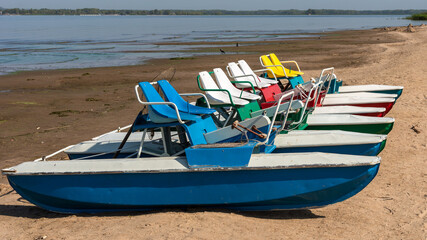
column 236, row 72
column 217, row 97
column 248, row 71
column 224, row 83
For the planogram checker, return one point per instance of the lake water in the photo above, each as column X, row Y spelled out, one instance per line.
column 53, row 42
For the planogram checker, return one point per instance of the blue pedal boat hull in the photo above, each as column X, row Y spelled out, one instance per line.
column 241, row 189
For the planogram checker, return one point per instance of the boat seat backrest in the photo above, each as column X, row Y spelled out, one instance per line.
column 162, row 113
column 218, row 97
column 224, row 82
column 209, row 84
column 274, row 59
column 245, row 68
column 290, row 73
column 172, row 95
column 207, row 81
column 267, row 62
column 236, row 71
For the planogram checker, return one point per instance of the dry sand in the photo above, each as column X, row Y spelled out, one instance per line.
column 47, row 110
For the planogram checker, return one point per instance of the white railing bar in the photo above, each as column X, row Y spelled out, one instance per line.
column 292, row 61
column 262, row 64
column 114, row 131
column 275, row 115
column 266, row 69
column 197, row 94
column 159, row 103
column 53, row 154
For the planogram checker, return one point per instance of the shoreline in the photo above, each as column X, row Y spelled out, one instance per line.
column 203, row 51
column 48, row 110
column 211, row 48
column 137, row 49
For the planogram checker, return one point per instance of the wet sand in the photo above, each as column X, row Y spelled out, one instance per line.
column 43, row 111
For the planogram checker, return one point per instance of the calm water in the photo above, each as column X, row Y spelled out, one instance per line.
column 52, row 42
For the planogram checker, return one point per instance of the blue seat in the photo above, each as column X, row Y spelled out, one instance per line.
column 165, row 116
column 162, row 113
column 143, row 121
column 172, row 95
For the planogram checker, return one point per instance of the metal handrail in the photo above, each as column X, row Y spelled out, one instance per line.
column 291, row 61
column 283, row 68
column 314, row 87
column 159, row 103
column 266, row 69
column 275, row 115
column 252, row 86
column 53, row 154
column 190, row 94
column 114, row 131
column 196, row 94
column 328, row 79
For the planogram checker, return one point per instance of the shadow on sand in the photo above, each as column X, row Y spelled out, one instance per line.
column 33, row 212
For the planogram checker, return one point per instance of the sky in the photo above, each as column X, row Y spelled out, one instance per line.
column 218, row 4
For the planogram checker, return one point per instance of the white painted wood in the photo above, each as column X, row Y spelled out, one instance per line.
column 227, row 132
column 314, row 138
column 296, row 104
column 368, row 88
column 347, row 110
column 355, row 100
column 179, row 164
column 345, row 119
column 362, row 95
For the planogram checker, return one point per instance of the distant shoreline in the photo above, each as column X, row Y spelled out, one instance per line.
column 124, row 12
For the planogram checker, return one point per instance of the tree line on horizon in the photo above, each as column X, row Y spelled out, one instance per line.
column 97, row 11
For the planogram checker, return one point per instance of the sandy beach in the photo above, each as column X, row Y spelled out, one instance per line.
column 43, row 111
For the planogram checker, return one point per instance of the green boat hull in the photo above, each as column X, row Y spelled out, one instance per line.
column 384, row 128
column 398, row 92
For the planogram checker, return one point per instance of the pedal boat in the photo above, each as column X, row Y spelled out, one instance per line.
column 239, row 175
column 208, row 178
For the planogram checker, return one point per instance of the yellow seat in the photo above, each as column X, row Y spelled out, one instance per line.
column 277, row 67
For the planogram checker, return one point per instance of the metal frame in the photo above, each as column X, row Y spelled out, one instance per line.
column 328, row 79
column 197, row 94
column 263, row 70
column 262, row 64
column 159, row 103
column 290, row 61
column 275, row 115
column 315, row 88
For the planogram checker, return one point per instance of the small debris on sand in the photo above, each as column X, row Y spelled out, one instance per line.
column 415, row 130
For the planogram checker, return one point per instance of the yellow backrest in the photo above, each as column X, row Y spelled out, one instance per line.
column 289, row 73
column 267, row 62
column 274, row 59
